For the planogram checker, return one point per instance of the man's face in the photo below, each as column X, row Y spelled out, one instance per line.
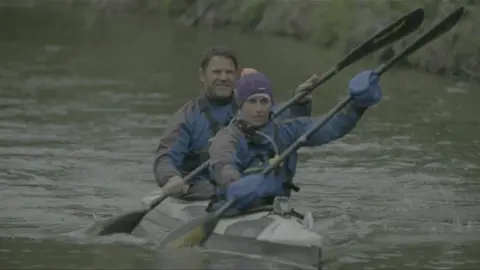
column 219, row 77
column 256, row 110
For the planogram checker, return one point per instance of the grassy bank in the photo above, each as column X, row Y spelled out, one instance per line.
column 339, row 24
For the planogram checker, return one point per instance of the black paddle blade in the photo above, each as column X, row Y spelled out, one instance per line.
column 393, row 32
column 435, row 31
column 389, row 34
column 196, row 231
column 124, row 223
column 192, row 233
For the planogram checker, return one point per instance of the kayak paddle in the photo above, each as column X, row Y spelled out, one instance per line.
column 125, row 223
column 197, row 231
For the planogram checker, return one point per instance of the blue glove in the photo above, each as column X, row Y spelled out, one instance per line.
column 253, row 187
column 364, row 89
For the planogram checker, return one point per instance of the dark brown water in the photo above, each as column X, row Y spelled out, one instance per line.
column 83, row 100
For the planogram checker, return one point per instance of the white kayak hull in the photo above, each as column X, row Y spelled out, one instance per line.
column 266, row 232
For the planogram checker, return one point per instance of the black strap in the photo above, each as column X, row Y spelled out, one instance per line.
column 289, row 185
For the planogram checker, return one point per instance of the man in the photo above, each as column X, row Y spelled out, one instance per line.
column 239, row 152
column 184, row 143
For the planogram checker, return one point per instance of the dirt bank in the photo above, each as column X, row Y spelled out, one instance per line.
column 329, row 24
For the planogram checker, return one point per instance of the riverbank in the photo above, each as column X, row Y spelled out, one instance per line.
column 343, row 25
column 331, row 25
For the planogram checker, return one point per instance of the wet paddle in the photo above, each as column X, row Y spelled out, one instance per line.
column 391, row 33
column 125, row 223
column 197, row 231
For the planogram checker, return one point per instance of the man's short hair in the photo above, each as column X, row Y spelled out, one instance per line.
column 218, row 51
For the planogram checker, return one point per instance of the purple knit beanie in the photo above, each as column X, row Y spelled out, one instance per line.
column 251, row 84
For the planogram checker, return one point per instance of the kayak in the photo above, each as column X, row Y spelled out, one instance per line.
column 276, row 230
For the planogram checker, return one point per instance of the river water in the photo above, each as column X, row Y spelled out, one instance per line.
column 84, row 98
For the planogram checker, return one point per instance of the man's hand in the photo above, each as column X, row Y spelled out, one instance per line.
column 306, row 86
column 175, row 186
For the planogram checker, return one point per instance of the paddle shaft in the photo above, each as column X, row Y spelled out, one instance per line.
column 438, row 29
